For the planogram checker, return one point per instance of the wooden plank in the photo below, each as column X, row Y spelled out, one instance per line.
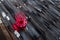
column 2, row 37
column 5, row 32
column 8, row 35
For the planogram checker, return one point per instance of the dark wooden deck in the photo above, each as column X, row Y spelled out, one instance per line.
column 5, row 34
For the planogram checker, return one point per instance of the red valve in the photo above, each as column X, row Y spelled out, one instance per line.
column 21, row 21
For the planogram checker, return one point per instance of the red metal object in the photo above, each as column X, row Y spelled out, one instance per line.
column 21, row 21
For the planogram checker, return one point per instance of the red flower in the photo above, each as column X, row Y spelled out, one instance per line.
column 21, row 21
column 15, row 27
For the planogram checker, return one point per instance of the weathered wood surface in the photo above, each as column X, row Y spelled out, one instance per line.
column 5, row 34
